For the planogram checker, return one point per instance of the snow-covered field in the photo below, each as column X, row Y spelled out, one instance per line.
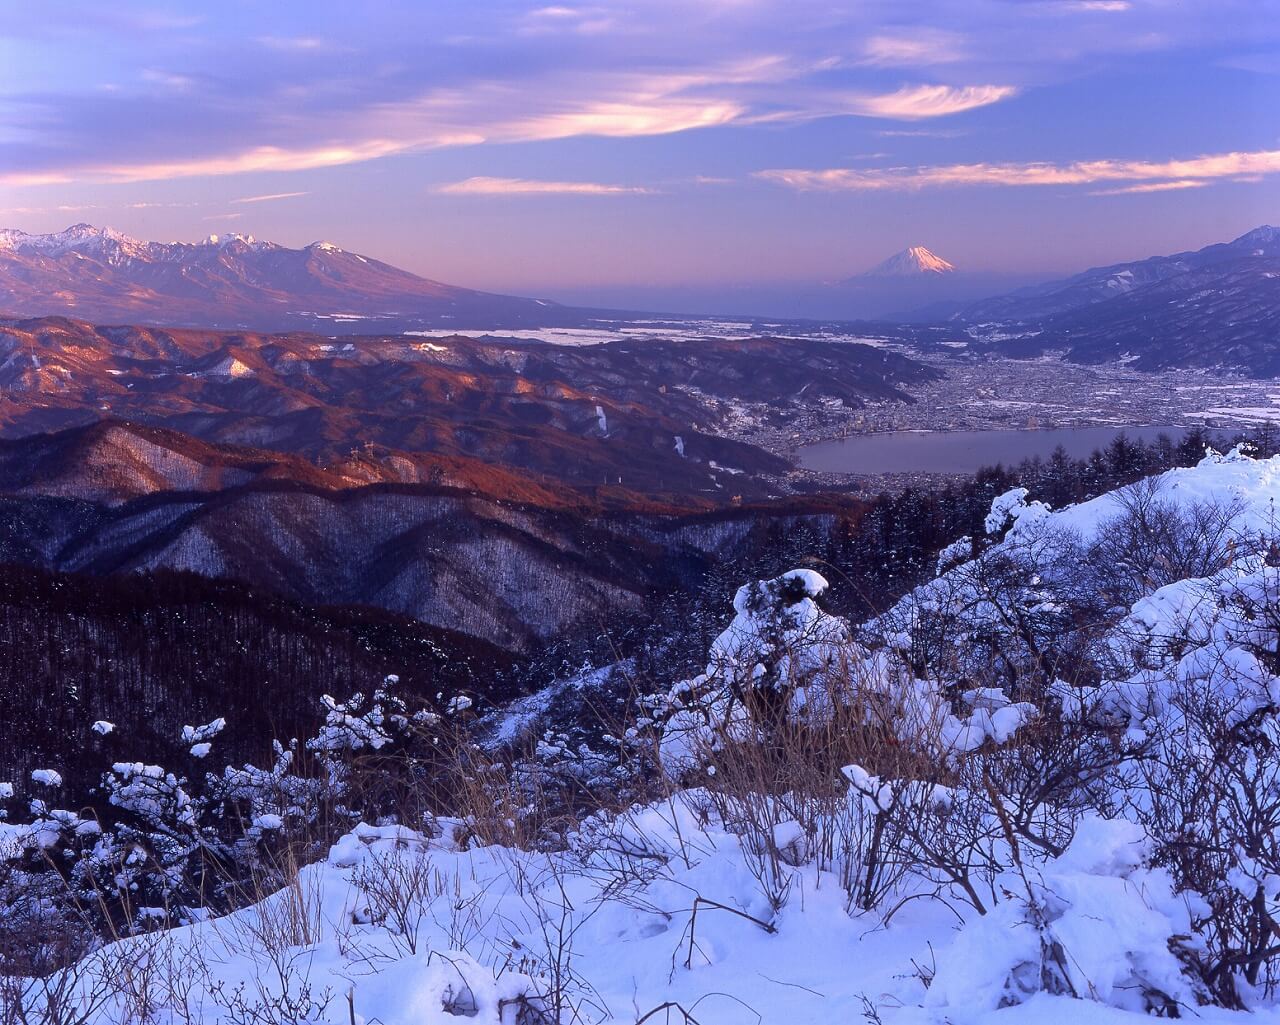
column 655, row 908
column 663, row 330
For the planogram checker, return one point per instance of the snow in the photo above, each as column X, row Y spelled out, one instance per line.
column 102, row 727
column 485, row 936
column 1011, row 510
column 47, row 777
column 661, row 904
column 1245, row 414
column 913, row 261
column 229, row 366
column 210, row 729
column 77, row 237
column 1253, row 484
column 1096, row 918
column 738, row 907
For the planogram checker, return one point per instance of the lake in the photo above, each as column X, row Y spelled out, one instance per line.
column 961, row 451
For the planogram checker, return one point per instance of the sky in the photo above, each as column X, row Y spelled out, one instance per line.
column 629, row 149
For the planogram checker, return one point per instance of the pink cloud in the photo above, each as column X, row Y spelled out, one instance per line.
column 482, row 186
column 1201, row 169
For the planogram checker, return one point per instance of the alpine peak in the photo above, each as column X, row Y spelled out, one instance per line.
column 911, row 261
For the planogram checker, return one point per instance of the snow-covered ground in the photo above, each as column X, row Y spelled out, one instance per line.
column 659, row 906
column 1019, row 877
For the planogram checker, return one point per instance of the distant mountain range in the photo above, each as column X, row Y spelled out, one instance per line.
column 238, row 281
column 1216, row 307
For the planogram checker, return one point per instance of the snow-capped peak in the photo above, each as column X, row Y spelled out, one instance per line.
column 230, row 238
column 77, row 237
column 912, row 261
column 1262, row 235
column 325, row 247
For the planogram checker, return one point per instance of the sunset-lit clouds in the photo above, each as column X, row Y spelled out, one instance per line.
column 482, row 186
column 1111, row 6
column 260, row 158
column 559, row 105
column 297, row 44
column 1163, row 175
column 270, row 197
column 455, row 135
column 919, row 102
column 1173, row 186
column 346, row 86
column 918, row 49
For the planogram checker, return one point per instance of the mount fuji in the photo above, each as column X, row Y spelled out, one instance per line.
column 911, row 262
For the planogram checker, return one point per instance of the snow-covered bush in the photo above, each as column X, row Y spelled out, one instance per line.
column 1096, row 923
column 784, row 665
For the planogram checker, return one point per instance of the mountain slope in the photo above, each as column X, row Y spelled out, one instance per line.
column 1216, row 307
column 514, row 574
column 645, row 415
column 118, row 644
column 915, row 260
column 234, row 281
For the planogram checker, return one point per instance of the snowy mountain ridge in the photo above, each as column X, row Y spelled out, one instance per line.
column 234, row 280
column 1214, row 308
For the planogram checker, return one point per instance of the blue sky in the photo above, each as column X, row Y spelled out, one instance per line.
column 566, row 147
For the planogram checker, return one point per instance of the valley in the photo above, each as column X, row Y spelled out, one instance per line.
column 976, row 393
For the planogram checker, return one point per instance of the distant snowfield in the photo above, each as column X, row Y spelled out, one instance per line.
column 642, row 330
column 1245, row 414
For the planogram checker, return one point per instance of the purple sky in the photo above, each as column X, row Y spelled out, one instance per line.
column 569, row 148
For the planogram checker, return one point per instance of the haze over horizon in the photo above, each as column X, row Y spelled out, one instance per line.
column 631, row 154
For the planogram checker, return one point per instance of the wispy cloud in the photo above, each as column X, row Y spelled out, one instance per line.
column 296, row 44
column 1173, row 186
column 1198, row 169
column 269, row 198
column 168, row 79
column 1099, row 5
column 223, row 217
column 63, row 208
column 587, row 21
column 918, row 102
column 626, row 104
column 425, row 76
column 259, row 158
column 918, row 49
column 481, row 186
column 921, row 133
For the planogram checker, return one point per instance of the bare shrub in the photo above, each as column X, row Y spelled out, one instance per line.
column 1154, row 541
